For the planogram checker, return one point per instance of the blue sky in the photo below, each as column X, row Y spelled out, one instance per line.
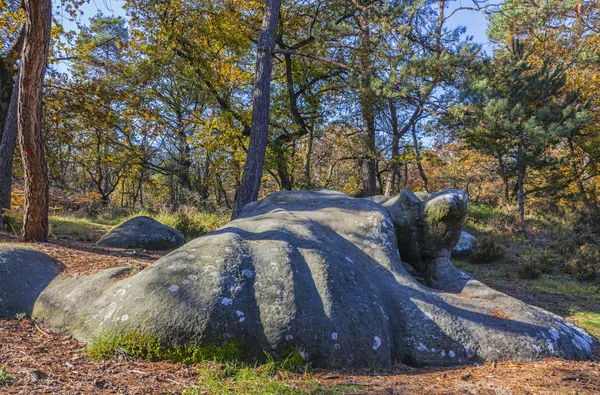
column 475, row 22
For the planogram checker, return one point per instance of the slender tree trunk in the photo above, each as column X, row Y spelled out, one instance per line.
column 521, row 194
column 261, row 105
column 282, row 168
column 7, row 148
column 7, row 84
column 393, row 173
column 504, row 176
column 582, row 192
column 141, row 189
column 307, row 159
column 366, row 98
column 418, row 157
column 33, row 68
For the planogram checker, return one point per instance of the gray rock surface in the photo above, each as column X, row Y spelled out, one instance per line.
column 465, row 246
column 145, row 233
column 24, row 274
column 427, row 232
column 318, row 272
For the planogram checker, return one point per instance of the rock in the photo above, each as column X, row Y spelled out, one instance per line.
column 144, row 233
column 422, row 195
column 465, row 246
column 427, row 232
column 24, row 274
column 318, row 272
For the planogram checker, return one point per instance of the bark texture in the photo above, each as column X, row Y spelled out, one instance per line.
column 33, row 68
column 261, row 105
column 366, row 99
column 7, row 149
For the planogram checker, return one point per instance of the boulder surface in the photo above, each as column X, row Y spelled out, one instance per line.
column 318, row 272
column 145, row 233
column 24, row 274
column 465, row 246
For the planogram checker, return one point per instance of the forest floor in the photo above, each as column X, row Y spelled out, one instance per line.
column 35, row 360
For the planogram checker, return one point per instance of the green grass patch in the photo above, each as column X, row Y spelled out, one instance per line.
column 135, row 345
column 565, row 286
column 82, row 229
column 5, row 377
column 193, row 223
column 222, row 370
column 587, row 320
column 269, row 378
column 189, row 221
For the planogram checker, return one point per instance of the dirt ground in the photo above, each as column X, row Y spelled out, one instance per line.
column 40, row 361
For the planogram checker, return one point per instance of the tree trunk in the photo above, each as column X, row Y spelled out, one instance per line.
column 282, row 168
column 261, row 105
column 504, row 176
column 7, row 84
column 393, row 174
column 7, row 149
column 307, row 159
column 582, row 192
column 521, row 194
column 366, row 98
column 418, row 157
column 33, row 68
column 184, row 161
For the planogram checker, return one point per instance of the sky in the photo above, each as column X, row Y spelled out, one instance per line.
column 475, row 22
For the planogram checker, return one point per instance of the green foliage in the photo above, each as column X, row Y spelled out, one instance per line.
column 488, row 250
column 294, row 362
column 529, row 271
column 192, row 222
column 588, row 320
column 586, row 227
column 268, row 378
column 543, row 260
column 484, row 213
column 5, row 377
column 82, row 229
column 135, row 345
column 585, row 265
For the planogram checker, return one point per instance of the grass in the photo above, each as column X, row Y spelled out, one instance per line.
column 545, row 248
column 5, row 377
column 188, row 220
column 221, row 369
column 588, row 320
column 82, row 229
column 568, row 287
column 270, row 378
column 135, row 345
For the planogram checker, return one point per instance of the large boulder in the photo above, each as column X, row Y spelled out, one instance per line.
column 144, row 233
column 24, row 274
column 318, row 272
column 465, row 246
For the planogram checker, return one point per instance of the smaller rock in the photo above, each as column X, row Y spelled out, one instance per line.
column 24, row 274
column 143, row 233
column 465, row 246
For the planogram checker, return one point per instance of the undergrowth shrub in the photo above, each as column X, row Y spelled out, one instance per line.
column 192, row 222
column 544, row 260
column 529, row 271
column 488, row 250
column 586, row 227
column 585, row 265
